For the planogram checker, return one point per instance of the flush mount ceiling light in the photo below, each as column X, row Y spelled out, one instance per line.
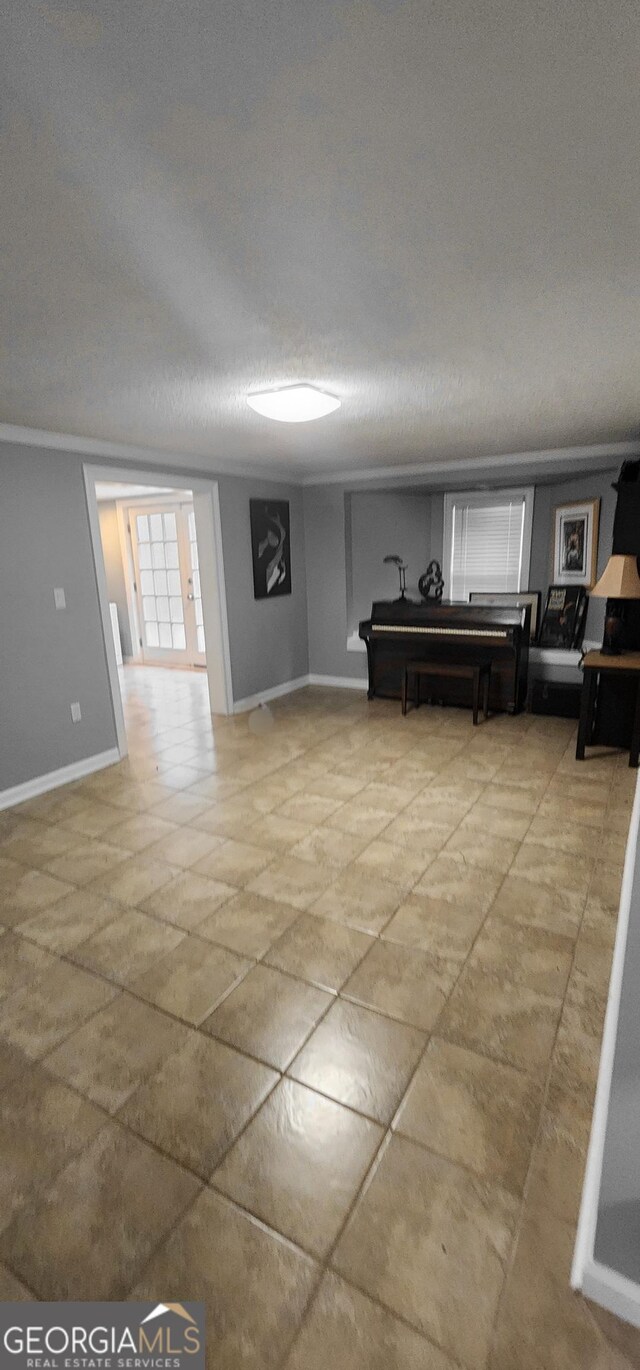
column 293, row 403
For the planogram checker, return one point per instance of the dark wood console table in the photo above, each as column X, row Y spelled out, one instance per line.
column 594, row 665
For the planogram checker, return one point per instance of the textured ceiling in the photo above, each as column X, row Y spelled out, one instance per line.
column 428, row 207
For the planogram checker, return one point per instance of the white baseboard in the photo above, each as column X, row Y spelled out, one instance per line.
column 613, row 1291
column 340, row 682
column 240, row 706
column 42, row 783
column 584, row 1265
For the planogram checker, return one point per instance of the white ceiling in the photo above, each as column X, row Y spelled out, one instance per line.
column 428, row 207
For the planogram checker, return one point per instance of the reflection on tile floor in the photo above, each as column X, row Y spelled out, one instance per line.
column 306, row 1023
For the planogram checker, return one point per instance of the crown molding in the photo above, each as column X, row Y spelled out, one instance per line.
column 588, row 455
column 122, row 454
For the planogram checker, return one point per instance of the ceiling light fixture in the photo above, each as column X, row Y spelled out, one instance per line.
column 293, row 403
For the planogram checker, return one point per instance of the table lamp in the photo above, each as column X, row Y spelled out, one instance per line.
column 619, row 581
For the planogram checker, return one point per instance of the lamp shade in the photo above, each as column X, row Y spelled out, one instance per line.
column 619, row 580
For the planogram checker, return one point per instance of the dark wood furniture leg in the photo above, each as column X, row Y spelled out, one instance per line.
column 476, row 695
column 634, row 754
column 370, row 669
column 478, row 675
column 587, row 700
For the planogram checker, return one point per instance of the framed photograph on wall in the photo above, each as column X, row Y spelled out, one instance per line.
column 270, row 548
column 575, row 543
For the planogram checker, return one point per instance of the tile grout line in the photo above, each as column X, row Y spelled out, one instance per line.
column 385, row 1141
column 545, row 1095
column 402, row 895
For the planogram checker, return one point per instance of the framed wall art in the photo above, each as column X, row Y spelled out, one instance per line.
column 575, row 543
column 270, row 548
column 564, row 616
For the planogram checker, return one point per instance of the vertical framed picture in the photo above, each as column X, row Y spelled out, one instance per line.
column 575, row 543
column 270, row 548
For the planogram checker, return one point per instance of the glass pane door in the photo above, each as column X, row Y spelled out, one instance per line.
column 163, row 554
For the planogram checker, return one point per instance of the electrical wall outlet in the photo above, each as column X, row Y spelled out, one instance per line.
column 76, row 713
column 59, row 599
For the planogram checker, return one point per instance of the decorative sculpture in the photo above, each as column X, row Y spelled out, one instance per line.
column 402, row 572
column 432, row 580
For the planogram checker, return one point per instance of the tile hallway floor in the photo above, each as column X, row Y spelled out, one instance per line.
column 304, row 1021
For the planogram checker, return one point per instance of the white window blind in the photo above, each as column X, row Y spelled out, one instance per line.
column 488, row 542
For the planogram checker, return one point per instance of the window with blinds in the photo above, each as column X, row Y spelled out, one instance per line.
column 487, row 542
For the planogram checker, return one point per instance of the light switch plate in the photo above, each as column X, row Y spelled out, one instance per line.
column 60, row 599
column 76, row 713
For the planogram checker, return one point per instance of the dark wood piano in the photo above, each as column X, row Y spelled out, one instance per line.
column 402, row 630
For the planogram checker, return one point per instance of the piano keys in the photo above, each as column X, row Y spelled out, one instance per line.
column 401, row 630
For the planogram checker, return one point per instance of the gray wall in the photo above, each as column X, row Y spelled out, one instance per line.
column 268, row 638
column 547, row 497
column 348, row 532
column 325, row 526
column 52, row 658
column 436, row 542
column 384, row 522
column 342, row 551
column 114, row 570
column 49, row 658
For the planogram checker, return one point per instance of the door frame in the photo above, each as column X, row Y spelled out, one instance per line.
column 126, row 553
column 206, row 504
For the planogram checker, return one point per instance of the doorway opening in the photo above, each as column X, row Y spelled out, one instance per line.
column 158, row 556
column 150, row 550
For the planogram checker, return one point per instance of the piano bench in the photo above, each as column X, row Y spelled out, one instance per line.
column 478, row 674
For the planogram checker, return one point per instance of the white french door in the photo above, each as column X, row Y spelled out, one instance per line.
column 167, row 583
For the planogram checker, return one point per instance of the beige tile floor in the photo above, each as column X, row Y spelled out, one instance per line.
column 304, row 1021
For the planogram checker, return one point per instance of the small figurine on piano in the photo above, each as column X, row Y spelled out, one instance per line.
column 432, row 580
